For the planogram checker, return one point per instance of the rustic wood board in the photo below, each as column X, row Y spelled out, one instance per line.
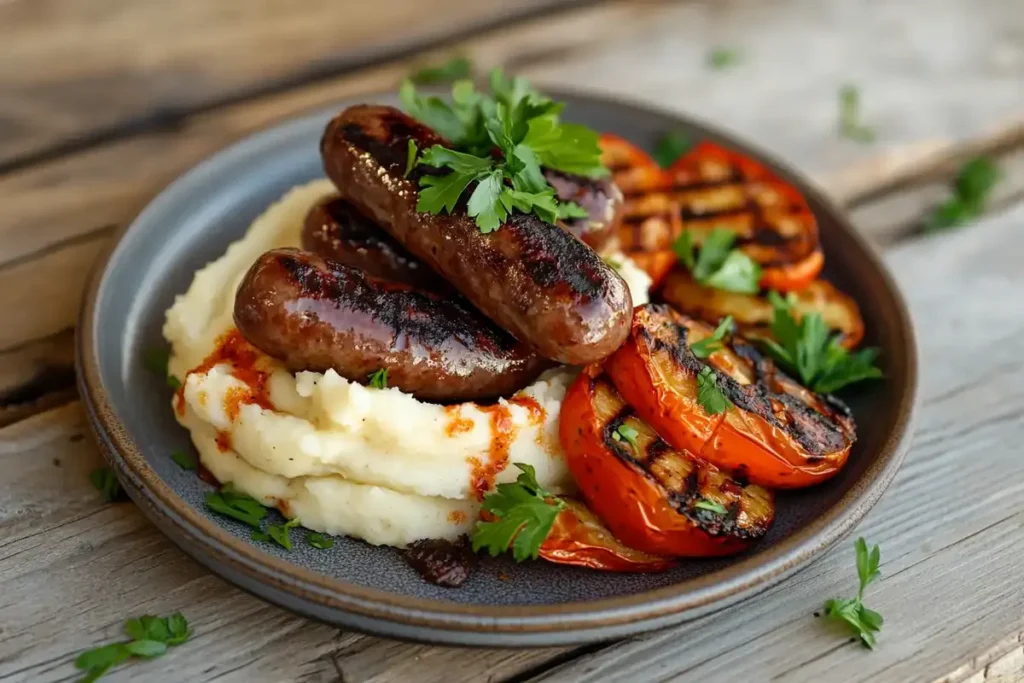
column 950, row 529
column 927, row 97
column 97, row 67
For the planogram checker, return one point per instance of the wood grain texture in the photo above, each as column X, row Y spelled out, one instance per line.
column 950, row 526
column 59, row 214
column 86, row 66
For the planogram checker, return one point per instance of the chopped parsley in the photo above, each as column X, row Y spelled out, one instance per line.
column 410, row 158
column 523, row 515
column 863, row 622
column 720, row 58
column 236, row 505
column 710, row 396
column 969, row 195
column 717, row 264
column 150, row 637
column 318, row 540
column 455, row 68
column 527, row 129
column 671, row 146
column 627, row 434
column 707, row 346
column 850, row 125
column 185, row 461
column 156, row 361
column 105, row 481
column 378, row 379
column 711, row 506
column 807, row 349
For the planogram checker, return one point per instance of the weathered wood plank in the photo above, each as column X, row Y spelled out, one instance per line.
column 78, row 67
column 74, row 568
column 950, row 527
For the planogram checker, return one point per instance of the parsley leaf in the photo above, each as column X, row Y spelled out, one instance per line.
column 184, row 460
column 318, row 540
column 378, row 379
column 723, row 57
column 156, row 361
column 567, row 210
column 281, row 533
column 705, row 347
column 150, row 637
column 670, row 147
column 970, row 192
column 454, row 68
column 523, row 515
column 717, row 264
column 863, row 622
column 807, row 348
column 711, row 398
column 106, row 482
column 626, row 433
column 485, row 203
column 850, row 125
column 410, row 158
column 239, row 506
column 711, row 506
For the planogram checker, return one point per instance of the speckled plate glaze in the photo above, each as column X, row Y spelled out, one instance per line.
column 358, row 586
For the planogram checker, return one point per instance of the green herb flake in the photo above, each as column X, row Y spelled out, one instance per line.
column 319, row 541
column 523, row 516
column 281, row 533
column 670, row 146
column 150, row 637
column 705, row 347
column 969, row 195
column 710, row 396
column 711, row 506
column 378, row 379
column 185, row 461
column 410, row 158
column 454, row 69
column 720, row 58
column 850, row 125
column 862, row 622
column 156, row 360
column 238, row 506
column 105, row 481
column 717, row 264
column 627, row 434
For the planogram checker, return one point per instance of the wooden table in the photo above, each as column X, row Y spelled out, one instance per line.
column 102, row 102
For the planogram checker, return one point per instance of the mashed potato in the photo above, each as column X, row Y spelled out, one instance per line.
column 376, row 464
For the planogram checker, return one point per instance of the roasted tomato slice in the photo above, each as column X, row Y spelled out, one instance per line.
column 579, row 538
column 718, row 188
column 776, row 433
column 753, row 313
column 652, row 497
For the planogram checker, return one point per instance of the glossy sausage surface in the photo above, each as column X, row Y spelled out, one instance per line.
column 533, row 279
column 313, row 314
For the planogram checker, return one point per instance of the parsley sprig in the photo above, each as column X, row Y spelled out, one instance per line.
column 150, row 637
column 863, row 622
column 709, row 394
column 970, row 193
column 717, row 264
column 278, row 533
column 378, row 379
column 525, row 126
column 707, row 346
column 808, row 349
column 671, row 146
column 455, row 68
column 523, row 516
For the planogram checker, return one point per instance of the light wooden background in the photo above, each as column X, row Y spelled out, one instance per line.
column 103, row 102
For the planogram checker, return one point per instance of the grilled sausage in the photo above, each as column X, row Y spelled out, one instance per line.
column 537, row 281
column 312, row 314
column 337, row 230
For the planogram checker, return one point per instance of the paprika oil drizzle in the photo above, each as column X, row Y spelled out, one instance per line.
column 502, row 434
column 245, row 361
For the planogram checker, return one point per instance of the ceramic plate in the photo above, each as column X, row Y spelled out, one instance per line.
column 358, row 586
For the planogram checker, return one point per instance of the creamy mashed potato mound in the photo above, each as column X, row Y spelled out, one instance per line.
column 346, row 459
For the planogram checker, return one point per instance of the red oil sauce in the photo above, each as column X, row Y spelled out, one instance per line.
column 457, row 424
column 537, row 412
column 457, row 517
column 248, row 365
column 206, row 475
column 502, row 434
column 223, row 442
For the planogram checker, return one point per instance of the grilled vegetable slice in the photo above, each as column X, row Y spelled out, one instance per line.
column 579, row 538
column 776, row 433
column 753, row 313
column 652, row 497
column 718, row 188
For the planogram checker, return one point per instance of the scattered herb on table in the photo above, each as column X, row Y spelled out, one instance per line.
column 627, row 434
column 454, row 69
column 717, row 264
column 525, row 126
column 185, row 461
column 720, row 57
column 150, row 637
column 238, row 506
column 711, row 506
column 705, row 347
column 523, row 514
column 379, row 379
column 850, row 125
column 105, row 481
column 318, row 540
column 807, row 349
column 969, row 195
column 710, row 396
column 670, row 147
column 863, row 622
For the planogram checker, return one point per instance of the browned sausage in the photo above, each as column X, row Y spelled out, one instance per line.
column 312, row 314
column 336, row 229
column 601, row 199
column 535, row 280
